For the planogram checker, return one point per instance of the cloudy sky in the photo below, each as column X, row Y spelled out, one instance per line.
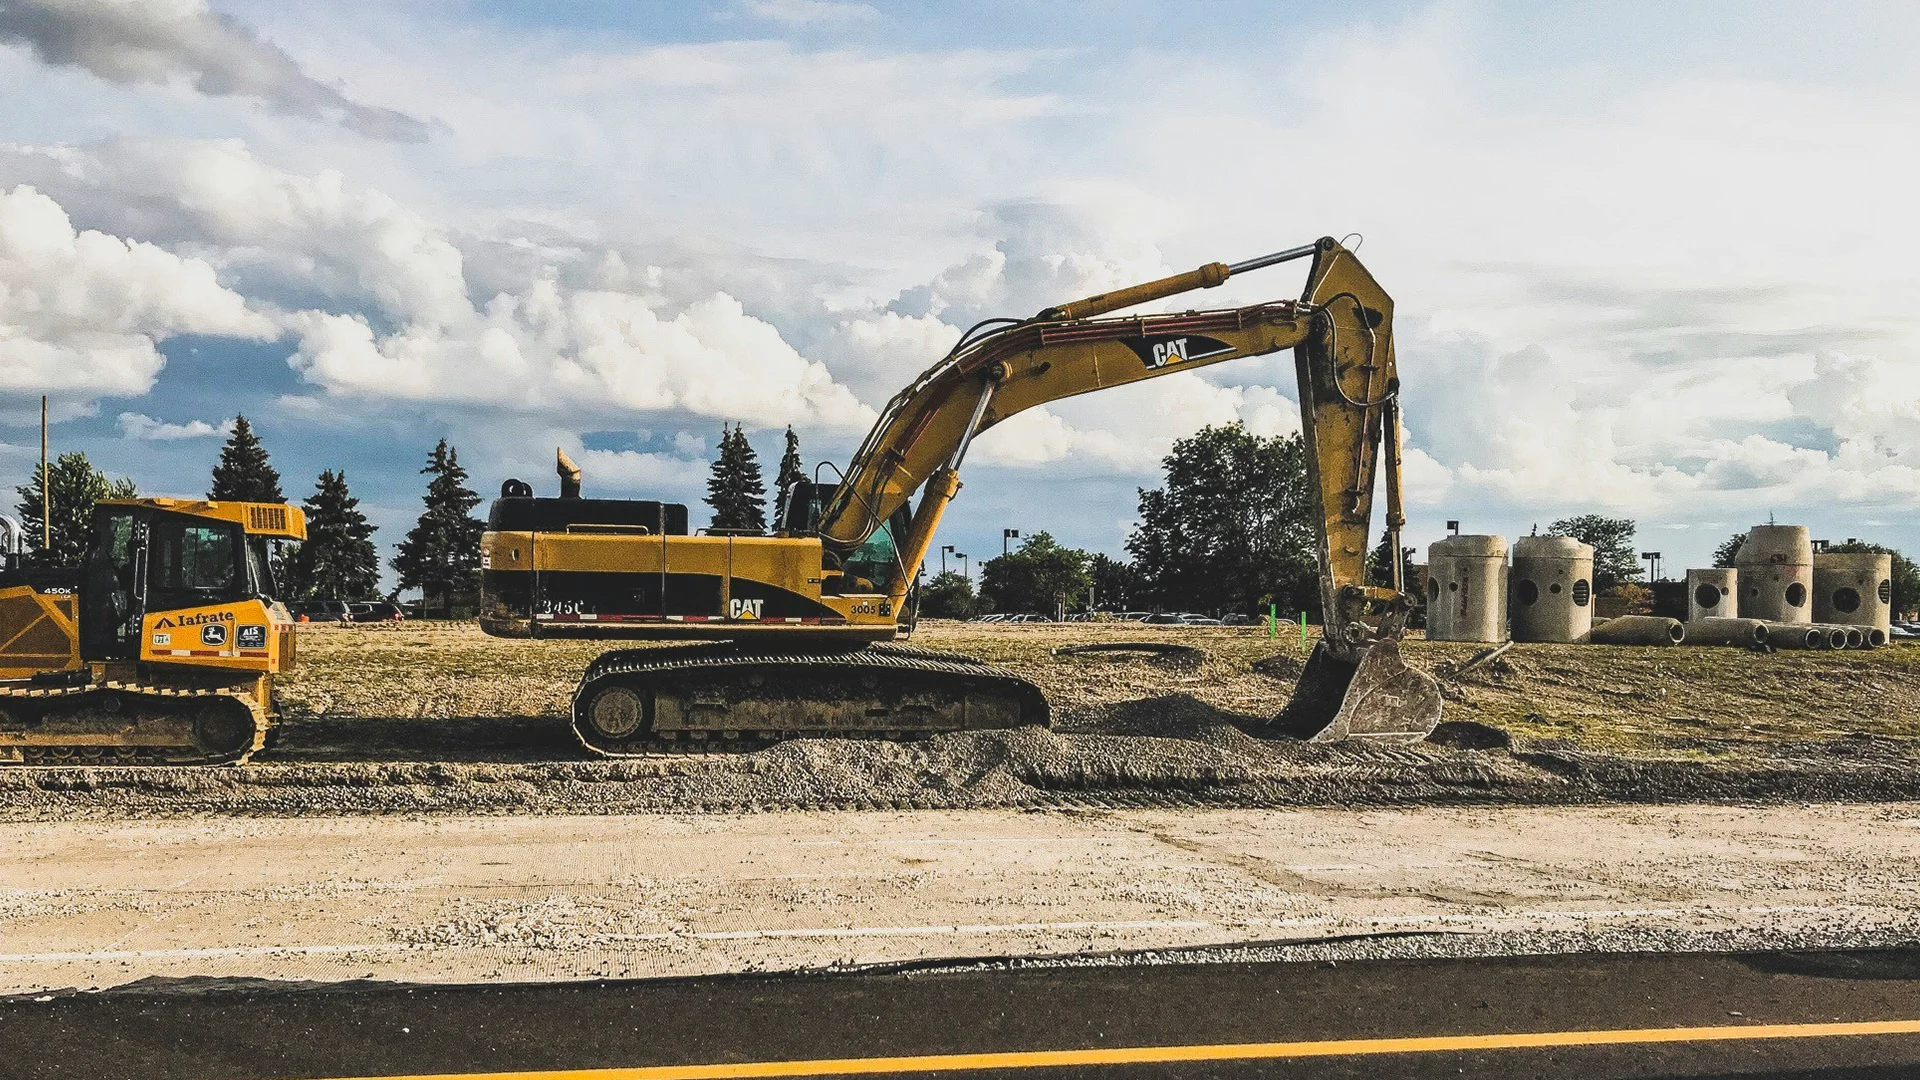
column 1656, row 260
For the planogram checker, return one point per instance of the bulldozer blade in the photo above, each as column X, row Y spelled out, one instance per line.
column 1378, row 698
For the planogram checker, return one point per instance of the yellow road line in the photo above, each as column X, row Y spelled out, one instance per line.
column 1155, row 1055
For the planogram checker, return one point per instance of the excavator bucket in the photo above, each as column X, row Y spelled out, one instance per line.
column 1379, row 698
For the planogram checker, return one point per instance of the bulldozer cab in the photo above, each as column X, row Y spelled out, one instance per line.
column 144, row 558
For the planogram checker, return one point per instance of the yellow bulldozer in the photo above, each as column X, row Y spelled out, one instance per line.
column 160, row 647
column 795, row 626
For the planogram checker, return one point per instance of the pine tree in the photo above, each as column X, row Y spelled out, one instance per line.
column 338, row 560
column 734, row 489
column 75, row 485
column 244, row 474
column 443, row 549
column 791, row 472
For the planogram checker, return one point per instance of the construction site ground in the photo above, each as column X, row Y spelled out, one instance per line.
column 438, row 718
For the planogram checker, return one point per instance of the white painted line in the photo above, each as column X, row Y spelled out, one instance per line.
column 198, row 954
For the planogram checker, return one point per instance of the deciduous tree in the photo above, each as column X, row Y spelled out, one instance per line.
column 1725, row 554
column 73, row 485
column 1037, row 576
column 1614, row 560
column 1232, row 527
column 1116, row 583
column 948, row 596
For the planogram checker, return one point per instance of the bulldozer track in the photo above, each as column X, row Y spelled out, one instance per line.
column 726, row 664
column 233, row 744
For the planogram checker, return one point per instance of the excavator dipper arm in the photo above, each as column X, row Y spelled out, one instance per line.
column 1342, row 333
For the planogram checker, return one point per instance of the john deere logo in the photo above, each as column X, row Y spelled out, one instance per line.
column 214, row 634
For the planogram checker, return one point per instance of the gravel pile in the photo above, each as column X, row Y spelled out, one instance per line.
column 382, row 720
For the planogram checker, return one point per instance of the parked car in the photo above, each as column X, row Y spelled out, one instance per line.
column 321, row 611
column 375, row 611
column 1198, row 620
column 1029, row 616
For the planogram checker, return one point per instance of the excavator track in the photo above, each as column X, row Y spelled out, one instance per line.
column 726, row 696
column 128, row 723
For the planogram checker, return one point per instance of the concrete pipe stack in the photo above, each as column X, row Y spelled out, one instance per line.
column 1855, row 589
column 1467, row 589
column 1551, row 590
column 1776, row 574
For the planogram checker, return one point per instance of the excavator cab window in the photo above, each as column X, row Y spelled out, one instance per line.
column 873, row 565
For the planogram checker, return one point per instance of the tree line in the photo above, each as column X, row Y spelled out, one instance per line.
column 1230, row 529
column 337, row 561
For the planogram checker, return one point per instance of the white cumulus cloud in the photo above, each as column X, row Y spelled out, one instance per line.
column 81, row 311
column 145, row 428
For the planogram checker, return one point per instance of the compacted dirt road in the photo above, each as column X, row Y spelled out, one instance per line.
column 467, row 899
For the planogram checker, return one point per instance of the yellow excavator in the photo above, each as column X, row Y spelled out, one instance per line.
column 796, row 623
column 161, row 647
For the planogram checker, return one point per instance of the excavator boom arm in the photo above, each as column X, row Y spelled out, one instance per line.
column 1062, row 352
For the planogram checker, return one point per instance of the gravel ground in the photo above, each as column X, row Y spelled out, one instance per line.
column 443, row 719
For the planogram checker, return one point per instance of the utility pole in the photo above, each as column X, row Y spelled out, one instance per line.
column 46, row 487
column 1006, row 535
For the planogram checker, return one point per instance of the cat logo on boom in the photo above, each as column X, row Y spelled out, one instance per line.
column 1160, row 352
column 744, row 609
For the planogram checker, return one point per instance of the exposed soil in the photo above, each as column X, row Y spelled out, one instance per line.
column 443, row 718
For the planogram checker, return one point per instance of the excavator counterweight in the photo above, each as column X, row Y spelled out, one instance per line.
column 801, row 612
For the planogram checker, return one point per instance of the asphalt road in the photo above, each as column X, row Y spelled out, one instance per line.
column 1223, row 1019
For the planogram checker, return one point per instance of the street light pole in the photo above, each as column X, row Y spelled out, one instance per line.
column 1006, row 535
column 966, row 568
column 943, row 557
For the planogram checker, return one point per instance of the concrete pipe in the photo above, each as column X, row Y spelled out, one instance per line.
column 1854, row 589
column 1776, row 574
column 1726, row 632
column 1550, row 595
column 1467, row 589
column 1638, row 630
column 1795, row 636
column 1711, row 594
column 1849, row 637
column 1876, row 637
column 1826, row 636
